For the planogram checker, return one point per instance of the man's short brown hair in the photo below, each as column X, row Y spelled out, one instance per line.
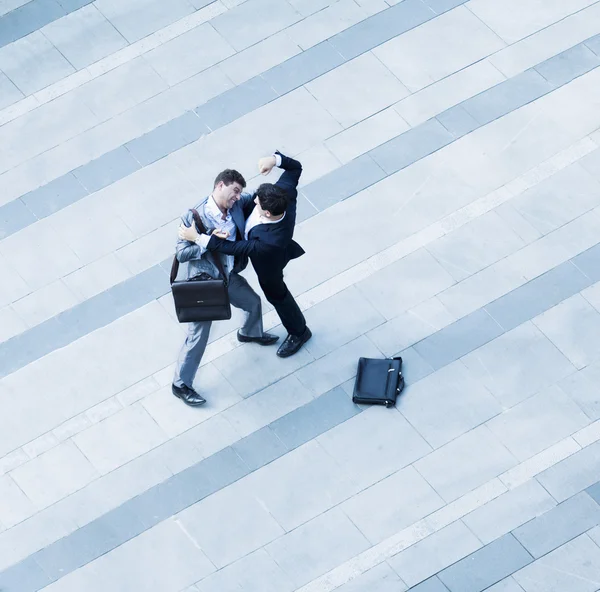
column 229, row 176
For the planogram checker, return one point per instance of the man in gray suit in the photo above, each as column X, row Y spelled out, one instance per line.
column 223, row 211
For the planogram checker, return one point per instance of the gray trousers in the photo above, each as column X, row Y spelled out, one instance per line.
column 242, row 296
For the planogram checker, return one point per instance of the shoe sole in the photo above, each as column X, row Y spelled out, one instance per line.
column 189, row 404
column 295, row 352
column 244, row 339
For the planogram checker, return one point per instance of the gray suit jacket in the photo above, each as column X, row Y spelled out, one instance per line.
column 195, row 262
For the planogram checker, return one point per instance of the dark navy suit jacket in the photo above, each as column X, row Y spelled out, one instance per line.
column 270, row 247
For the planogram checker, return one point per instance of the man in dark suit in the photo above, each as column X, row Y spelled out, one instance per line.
column 270, row 217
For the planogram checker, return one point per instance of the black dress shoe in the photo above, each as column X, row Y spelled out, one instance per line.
column 264, row 339
column 293, row 343
column 188, row 396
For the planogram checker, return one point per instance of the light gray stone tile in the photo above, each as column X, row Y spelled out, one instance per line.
column 54, row 475
column 267, row 405
column 230, row 524
column 446, row 404
column 258, row 58
column 248, row 369
column 40, row 445
column 11, row 323
column 465, row 463
column 249, row 30
column 516, row 20
column 509, row 511
column 350, row 103
column 33, row 534
column 256, row 572
column 475, row 245
column 32, row 63
column 120, row 438
column 448, row 92
column 322, row 25
column 84, row 36
column 458, row 339
column 434, row 553
column 335, row 368
column 559, row 525
column 482, row 288
column 368, row 459
column 436, row 49
column 582, row 387
column 13, row 460
column 162, row 558
column 573, row 326
column 318, row 546
column 518, row 364
column 538, row 422
column 301, row 485
column 575, row 567
column 189, row 54
column 9, row 93
column 367, row 134
column 120, row 89
column 314, row 418
column 338, row 320
column 487, row 566
column 559, row 199
column 381, row 27
column 506, row 585
column 45, row 303
column 139, row 18
column 392, row 504
column 419, row 270
column 572, row 475
column 15, row 505
column 175, row 418
column 316, row 162
column 381, row 578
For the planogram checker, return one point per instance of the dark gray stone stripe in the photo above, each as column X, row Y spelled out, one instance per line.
column 34, row 15
column 179, row 492
column 505, row 556
column 454, row 123
column 348, row 180
column 218, row 112
column 306, row 423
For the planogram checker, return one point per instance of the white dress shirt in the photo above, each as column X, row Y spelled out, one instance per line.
column 226, row 224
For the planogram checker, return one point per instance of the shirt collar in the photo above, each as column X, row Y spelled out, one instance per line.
column 213, row 209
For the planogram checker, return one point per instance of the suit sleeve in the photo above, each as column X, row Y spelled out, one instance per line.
column 239, row 248
column 292, row 169
column 185, row 250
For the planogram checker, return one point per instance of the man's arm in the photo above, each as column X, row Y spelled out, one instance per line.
column 187, row 250
column 292, row 169
column 239, row 248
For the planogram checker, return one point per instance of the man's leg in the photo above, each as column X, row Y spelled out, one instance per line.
column 291, row 316
column 278, row 294
column 242, row 296
column 188, row 362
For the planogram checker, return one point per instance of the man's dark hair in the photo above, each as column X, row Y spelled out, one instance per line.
column 272, row 198
column 229, row 176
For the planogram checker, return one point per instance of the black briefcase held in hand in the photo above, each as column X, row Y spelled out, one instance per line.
column 378, row 382
column 201, row 298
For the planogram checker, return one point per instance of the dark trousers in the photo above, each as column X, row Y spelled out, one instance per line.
column 287, row 308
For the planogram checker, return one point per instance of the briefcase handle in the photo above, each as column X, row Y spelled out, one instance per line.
column 217, row 258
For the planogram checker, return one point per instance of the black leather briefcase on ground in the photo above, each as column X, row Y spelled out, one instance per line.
column 378, row 382
column 200, row 298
